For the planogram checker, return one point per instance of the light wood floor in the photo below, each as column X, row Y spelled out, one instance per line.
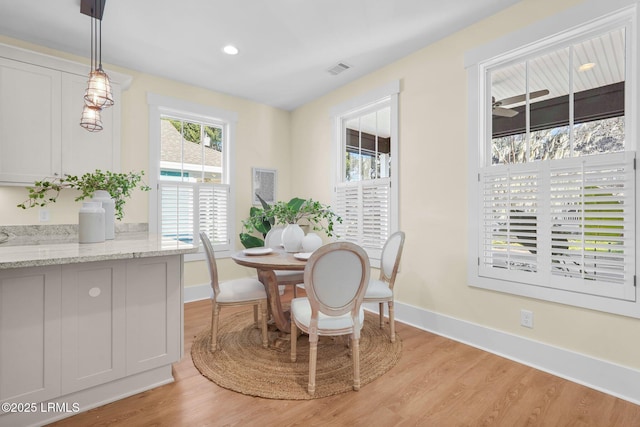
column 437, row 382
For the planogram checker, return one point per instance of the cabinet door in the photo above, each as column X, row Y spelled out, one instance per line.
column 93, row 339
column 84, row 151
column 30, row 334
column 30, row 131
column 154, row 303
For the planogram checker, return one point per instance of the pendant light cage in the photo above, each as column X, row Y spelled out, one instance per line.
column 98, row 94
column 91, row 118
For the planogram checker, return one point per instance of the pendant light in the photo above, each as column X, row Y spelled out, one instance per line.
column 98, row 94
column 91, row 119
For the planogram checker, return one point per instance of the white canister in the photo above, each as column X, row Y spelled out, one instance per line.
column 311, row 242
column 109, row 206
column 292, row 237
column 91, row 223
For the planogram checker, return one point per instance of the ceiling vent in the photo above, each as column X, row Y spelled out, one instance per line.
column 337, row 69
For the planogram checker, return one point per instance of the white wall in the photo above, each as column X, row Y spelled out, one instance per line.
column 433, row 206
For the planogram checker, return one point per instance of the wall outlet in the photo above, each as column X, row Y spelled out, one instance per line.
column 44, row 215
column 526, row 318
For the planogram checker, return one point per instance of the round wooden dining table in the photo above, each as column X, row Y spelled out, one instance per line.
column 266, row 264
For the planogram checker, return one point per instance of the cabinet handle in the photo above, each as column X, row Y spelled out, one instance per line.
column 94, row 292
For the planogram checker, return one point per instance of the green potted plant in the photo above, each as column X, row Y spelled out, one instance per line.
column 296, row 211
column 118, row 185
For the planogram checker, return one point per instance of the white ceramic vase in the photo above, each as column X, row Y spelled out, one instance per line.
column 91, row 223
column 292, row 237
column 109, row 206
column 311, row 242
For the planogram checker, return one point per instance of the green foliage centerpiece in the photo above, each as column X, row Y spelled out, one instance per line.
column 296, row 211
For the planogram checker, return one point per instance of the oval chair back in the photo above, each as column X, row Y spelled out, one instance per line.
column 391, row 253
column 211, row 263
column 336, row 278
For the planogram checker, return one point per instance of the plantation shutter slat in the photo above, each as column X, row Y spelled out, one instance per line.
column 365, row 210
column 510, row 198
column 187, row 208
column 176, row 211
column 592, row 205
column 566, row 224
column 213, row 211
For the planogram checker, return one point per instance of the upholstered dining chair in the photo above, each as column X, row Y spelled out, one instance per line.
column 335, row 279
column 245, row 291
column 381, row 290
column 273, row 239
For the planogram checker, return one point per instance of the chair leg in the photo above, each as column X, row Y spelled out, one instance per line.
column 215, row 313
column 265, row 338
column 255, row 316
column 313, row 358
column 295, row 290
column 294, row 340
column 355, row 351
column 392, row 322
column 381, row 314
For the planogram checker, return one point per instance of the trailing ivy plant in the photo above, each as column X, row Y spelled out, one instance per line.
column 118, row 185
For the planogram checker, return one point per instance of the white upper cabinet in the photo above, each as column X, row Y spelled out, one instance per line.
column 30, row 121
column 41, row 100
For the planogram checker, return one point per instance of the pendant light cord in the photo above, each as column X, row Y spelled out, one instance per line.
column 92, row 36
column 100, row 47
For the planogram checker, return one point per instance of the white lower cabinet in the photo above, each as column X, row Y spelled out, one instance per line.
column 29, row 334
column 71, row 329
column 94, row 324
column 154, row 313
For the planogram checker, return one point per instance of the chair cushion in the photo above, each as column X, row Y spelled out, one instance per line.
column 301, row 310
column 239, row 290
column 377, row 289
column 288, row 274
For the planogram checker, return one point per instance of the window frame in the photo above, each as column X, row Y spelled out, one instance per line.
column 581, row 22
column 339, row 112
column 159, row 106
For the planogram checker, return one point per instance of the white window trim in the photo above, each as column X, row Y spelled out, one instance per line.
column 391, row 89
column 589, row 16
column 164, row 105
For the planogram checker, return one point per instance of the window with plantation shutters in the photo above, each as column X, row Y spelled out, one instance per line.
column 567, row 224
column 552, row 154
column 366, row 179
column 188, row 208
column 365, row 210
column 191, row 148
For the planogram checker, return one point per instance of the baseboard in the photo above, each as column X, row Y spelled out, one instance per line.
column 197, row 292
column 610, row 378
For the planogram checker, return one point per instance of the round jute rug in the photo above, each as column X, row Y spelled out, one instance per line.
column 242, row 365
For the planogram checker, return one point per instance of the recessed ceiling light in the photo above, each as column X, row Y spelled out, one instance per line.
column 230, row 50
column 586, row 66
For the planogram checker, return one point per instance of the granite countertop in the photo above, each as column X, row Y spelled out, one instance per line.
column 39, row 249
